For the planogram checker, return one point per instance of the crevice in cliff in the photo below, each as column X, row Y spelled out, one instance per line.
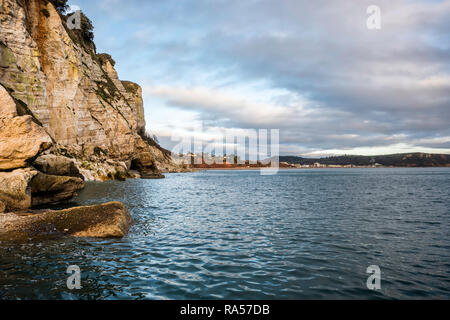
column 104, row 94
column 110, row 84
column 21, row 107
column 96, row 119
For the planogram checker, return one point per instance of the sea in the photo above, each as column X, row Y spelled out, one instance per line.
column 347, row 234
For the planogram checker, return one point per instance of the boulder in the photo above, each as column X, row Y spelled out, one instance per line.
column 57, row 166
column 15, row 190
column 121, row 171
column 21, row 140
column 108, row 220
column 145, row 164
column 151, row 175
column 2, row 207
column 50, row 189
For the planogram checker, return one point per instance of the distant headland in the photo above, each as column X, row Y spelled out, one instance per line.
column 199, row 161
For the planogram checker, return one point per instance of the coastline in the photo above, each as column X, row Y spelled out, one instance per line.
column 296, row 169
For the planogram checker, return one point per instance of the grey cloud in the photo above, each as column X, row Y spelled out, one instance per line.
column 365, row 88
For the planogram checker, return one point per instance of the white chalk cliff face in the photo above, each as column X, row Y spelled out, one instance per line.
column 74, row 94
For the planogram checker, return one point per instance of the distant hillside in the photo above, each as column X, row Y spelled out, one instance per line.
column 394, row 160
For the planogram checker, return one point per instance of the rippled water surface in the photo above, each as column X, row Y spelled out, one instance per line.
column 302, row 234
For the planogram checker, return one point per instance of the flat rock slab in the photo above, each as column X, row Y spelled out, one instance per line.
column 108, row 220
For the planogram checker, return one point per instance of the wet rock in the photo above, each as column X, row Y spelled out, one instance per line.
column 15, row 191
column 108, row 220
column 120, row 176
column 151, row 175
column 50, row 189
column 146, row 166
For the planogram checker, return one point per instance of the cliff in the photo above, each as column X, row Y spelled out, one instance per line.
column 56, row 79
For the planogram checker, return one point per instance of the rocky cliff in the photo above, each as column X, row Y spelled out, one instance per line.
column 70, row 98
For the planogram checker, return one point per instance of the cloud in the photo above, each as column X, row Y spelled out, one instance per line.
column 321, row 76
column 225, row 105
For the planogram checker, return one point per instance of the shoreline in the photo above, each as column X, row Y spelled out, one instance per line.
column 286, row 169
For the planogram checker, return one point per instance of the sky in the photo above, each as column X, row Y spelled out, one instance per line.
column 312, row 69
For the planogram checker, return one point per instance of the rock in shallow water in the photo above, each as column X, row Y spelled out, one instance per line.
column 23, row 188
column 145, row 164
column 49, row 189
column 152, row 175
column 108, row 220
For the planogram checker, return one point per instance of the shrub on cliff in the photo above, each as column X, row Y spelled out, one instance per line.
column 104, row 57
column 87, row 29
column 60, row 5
column 84, row 35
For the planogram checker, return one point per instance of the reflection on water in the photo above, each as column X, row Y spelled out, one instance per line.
column 303, row 234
